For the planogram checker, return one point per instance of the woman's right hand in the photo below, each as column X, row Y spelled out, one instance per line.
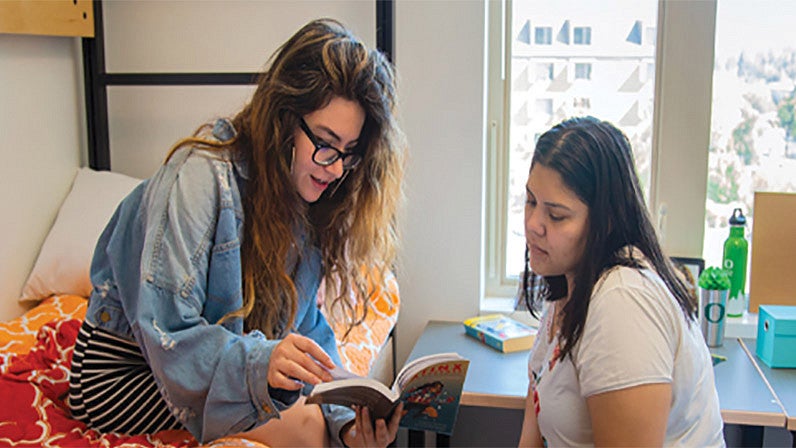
column 298, row 359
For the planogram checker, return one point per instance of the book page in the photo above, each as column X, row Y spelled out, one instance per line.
column 339, row 373
column 409, row 370
column 370, row 383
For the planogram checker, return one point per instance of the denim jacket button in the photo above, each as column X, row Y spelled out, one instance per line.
column 267, row 409
column 105, row 317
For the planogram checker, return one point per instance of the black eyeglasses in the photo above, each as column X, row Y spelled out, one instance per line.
column 326, row 155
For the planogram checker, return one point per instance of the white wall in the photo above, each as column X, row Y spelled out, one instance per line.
column 439, row 57
column 210, row 36
column 40, row 140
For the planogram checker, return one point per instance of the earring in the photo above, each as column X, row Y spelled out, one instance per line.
column 339, row 182
column 292, row 158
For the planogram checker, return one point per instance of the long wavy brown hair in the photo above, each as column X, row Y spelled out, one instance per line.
column 356, row 226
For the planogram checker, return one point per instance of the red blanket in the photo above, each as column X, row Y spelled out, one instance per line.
column 34, row 387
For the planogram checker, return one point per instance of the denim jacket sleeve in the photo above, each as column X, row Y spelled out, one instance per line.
column 165, row 269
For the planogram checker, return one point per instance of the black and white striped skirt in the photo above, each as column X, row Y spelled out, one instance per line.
column 111, row 387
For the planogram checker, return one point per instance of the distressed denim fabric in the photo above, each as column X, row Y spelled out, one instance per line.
column 167, row 267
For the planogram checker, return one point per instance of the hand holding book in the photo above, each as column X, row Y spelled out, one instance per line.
column 364, row 431
column 429, row 388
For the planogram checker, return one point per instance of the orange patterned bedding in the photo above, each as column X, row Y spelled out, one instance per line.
column 36, row 353
column 34, row 382
column 362, row 347
column 19, row 335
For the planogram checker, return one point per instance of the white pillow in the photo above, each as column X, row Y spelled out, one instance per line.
column 65, row 257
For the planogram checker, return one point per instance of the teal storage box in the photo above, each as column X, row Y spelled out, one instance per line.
column 776, row 335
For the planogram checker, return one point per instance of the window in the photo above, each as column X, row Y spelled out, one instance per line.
column 543, row 35
column 649, row 71
column 582, row 70
column 544, row 71
column 582, row 35
column 753, row 126
column 650, row 35
column 544, row 107
column 720, row 131
column 582, row 104
column 620, row 94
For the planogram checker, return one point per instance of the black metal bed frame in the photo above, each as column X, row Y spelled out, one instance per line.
column 97, row 79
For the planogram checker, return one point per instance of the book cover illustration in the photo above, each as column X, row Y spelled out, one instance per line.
column 430, row 388
column 431, row 397
column 501, row 332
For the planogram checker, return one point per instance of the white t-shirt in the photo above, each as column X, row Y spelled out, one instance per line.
column 635, row 333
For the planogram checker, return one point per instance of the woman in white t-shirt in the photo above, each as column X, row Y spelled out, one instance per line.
column 619, row 359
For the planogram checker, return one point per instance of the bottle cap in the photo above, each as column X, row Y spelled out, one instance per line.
column 737, row 218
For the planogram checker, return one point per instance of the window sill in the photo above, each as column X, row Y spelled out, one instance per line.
column 505, row 305
column 741, row 327
column 735, row 327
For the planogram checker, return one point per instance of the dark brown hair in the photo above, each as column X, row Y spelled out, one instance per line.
column 595, row 161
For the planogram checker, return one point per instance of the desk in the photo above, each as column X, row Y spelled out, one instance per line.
column 494, row 379
column 499, row 380
column 782, row 383
column 744, row 396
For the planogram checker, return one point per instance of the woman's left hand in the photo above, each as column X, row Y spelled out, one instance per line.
column 380, row 434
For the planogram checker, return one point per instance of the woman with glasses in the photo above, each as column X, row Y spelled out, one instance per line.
column 619, row 359
column 203, row 314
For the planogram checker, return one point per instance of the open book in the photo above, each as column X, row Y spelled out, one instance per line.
column 430, row 388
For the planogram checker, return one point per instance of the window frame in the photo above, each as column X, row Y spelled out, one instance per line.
column 681, row 124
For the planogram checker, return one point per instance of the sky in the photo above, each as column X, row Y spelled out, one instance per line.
column 751, row 24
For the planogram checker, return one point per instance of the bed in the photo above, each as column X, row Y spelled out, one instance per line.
column 36, row 348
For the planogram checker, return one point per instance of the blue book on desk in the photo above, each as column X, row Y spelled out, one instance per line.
column 501, row 332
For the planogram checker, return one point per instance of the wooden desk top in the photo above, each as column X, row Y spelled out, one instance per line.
column 500, row 380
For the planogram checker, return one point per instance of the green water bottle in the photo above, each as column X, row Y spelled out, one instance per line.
column 736, row 249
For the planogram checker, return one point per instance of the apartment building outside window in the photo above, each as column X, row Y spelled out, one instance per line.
column 544, row 71
column 582, row 70
column 598, row 67
column 751, row 126
column 543, row 35
column 581, row 35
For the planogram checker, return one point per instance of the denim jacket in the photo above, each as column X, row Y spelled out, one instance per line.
column 167, row 267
